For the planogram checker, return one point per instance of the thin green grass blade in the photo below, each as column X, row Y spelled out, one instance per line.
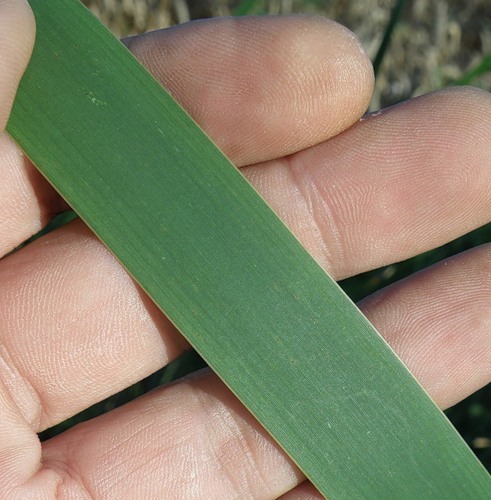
column 226, row 271
column 387, row 38
column 246, row 7
column 483, row 67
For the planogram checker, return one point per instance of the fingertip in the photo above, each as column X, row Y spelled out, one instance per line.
column 17, row 35
column 262, row 87
column 320, row 82
column 336, row 57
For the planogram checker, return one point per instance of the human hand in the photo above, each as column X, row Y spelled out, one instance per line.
column 74, row 328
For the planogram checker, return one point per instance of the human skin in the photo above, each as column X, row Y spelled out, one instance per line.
column 284, row 98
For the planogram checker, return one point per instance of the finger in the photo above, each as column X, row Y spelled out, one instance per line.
column 438, row 321
column 190, row 440
column 16, row 41
column 260, row 87
column 75, row 327
column 401, row 182
column 17, row 32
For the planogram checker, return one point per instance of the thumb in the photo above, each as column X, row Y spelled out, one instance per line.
column 17, row 32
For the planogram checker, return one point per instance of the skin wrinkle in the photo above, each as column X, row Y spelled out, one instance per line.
column 305, row 491
column 207, row 421
column 244, row 436
column 21, row 392
column 71, row 483
column 324, row 221
column 15, row 439
column 138, row 469
column 244, row 439
column 334, row 206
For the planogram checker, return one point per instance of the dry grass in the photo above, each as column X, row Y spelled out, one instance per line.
column 435, row 42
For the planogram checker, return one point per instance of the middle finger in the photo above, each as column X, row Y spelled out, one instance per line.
column 398, row 183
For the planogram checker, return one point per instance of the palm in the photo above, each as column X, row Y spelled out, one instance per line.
column 283, row 98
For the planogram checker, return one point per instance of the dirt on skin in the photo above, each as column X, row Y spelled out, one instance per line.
column 434, row 44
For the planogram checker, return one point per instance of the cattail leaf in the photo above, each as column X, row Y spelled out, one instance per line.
column 226, row 271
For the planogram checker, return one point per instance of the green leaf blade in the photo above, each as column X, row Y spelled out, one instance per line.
column 215, row 258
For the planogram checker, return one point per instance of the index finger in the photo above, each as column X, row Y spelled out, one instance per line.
column 260, row 87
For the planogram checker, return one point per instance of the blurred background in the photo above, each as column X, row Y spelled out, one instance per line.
column 416, row 47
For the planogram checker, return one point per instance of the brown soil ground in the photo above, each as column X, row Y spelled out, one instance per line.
column 435, row 42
